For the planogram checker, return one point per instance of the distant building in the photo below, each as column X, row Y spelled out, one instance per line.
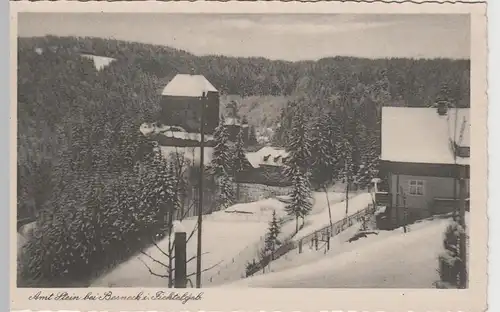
column 181, row 102
column 268, row 156
column 265, row 167
column 422, row 151
column 174, row 135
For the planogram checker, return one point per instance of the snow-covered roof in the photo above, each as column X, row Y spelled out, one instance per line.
column 188, row 85
column 99, row 61
column 187, row 135
column 267, row 156
column 172, row 132
column 421, row 135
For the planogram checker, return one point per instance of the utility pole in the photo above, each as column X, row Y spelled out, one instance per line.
column 463, row 233
column 455, row 180
column 200, row 189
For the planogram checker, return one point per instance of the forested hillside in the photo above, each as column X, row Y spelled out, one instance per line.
column 57, row 86
column 78, row 127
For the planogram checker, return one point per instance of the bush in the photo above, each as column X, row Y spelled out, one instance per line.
column 450, row 264
column 251, row 268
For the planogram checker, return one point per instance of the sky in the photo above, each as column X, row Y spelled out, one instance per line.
column 274, row 36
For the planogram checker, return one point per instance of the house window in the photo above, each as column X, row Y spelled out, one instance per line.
column 416, row 187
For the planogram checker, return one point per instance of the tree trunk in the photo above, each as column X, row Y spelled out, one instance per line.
column 347, row 199
column 329, row 208
column 296, row 224
column 238, row 191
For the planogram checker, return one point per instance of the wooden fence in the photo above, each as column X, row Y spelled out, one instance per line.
column 322, row 234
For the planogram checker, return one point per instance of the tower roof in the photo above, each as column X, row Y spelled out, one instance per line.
column 188, row 85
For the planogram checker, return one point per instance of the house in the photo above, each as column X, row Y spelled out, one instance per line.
column 181, row 103
column 265, row 167
column 422, row 151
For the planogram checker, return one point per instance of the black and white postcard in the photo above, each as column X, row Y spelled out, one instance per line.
column 225, row 156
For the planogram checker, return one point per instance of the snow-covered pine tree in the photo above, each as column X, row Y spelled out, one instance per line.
column 174, row 185
column 300, row 205
column 222, row 165
column 299, row 147
column 282, row 131
column 346, row 168
column 226, row 196
column 297, row 167
column 274, row 226
column 274, row 229
column 239, row 159
column 162, row 188
column 323, row 152
column 368, row 167
column 221, row 158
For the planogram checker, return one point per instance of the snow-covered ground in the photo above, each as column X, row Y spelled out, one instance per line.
column 230, row 240
column 24, row 234
column 221, row 242
column 391, row 259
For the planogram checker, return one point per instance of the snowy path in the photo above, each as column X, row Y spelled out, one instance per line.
column 391, row 259
column 315, row 222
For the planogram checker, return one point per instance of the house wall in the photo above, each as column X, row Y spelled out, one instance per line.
column 164, row 140
column 185, row 112
column 266, row 175
column 434, row 187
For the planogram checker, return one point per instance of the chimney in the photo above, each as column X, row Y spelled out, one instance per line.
column 442, row 108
